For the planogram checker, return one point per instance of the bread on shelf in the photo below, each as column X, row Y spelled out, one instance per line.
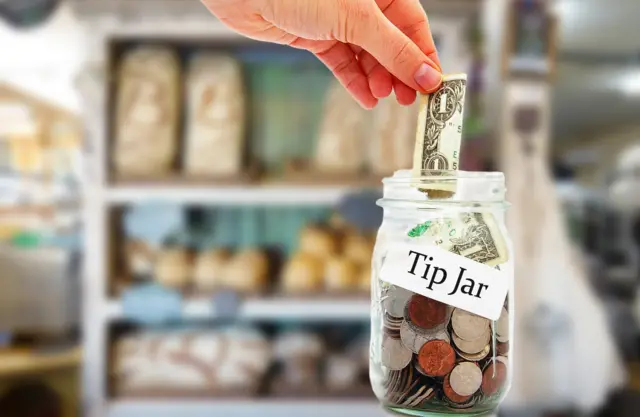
column 247, row 271
column 358, row 248
column 318, row 241
column 139, row 256
column 209, row 269
column 341, row 275
column 303, row 273
column 173, row 267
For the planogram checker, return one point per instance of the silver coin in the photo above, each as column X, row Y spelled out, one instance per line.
column 504, row 360
column 394, row 355
column 472, row 347
column 502, row 326
column 466, row 379
column 413, row 338
column 475, row 357
column 469, row 326
column 395, row 300
column 424, row 393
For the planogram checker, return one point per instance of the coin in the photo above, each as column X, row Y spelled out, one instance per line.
column 392, row 326
column 468, row 326
column 437, row 358
column 494, row 378
column 452, row 395
column 395, row 300
column 408, row 385
column 423, row 394
column 502, row 349
column 413, row 337
column 478, row 356
column 472, row 346
column 394, row 355
column 426, row 312
column 400, row 384
column 416, row 364
column 466, row 378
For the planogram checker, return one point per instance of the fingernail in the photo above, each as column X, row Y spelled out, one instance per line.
column 428, row 78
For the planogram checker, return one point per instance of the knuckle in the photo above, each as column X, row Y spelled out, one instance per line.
column 355, row 17
column 403, row 52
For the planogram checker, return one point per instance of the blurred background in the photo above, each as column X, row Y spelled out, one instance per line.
column 187, row 216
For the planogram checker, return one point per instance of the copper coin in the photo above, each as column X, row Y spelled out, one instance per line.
column 437, row 358
column 451, row 394
column 502, row 349
column 425, row 312
column 494, row 378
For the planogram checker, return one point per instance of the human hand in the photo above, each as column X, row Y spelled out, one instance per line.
column 371, row 46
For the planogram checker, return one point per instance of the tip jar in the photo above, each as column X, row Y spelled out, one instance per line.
column 442, row 304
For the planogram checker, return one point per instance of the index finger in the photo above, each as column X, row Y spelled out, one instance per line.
column 411, row 19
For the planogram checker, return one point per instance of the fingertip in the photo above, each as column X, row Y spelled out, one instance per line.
column 381, row 83
column 405, row 95
column 428, row 78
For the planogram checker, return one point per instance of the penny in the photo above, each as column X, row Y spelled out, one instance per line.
column 468, row 326
column 502, row 349
column 478, row 356
column 437, row 358
column 466, row 378
column 472, row 346
column 413, row 338
column 502, row 326
column 494, row 378
column 395, row 301
column 452, row 395
column 394, row 355
column 426, row 312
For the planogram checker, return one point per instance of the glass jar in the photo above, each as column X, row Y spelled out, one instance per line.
column 442, row 305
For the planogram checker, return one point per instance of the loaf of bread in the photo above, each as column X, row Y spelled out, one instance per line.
column 139, row 257
column 209, row 269
column 247, row 271
column 318, row 241
column 173, row 267
column 215, row 116
column 343, row 134
column 303, row 273
column 358, row 248
column 393, row 138
column 147, row 112
column 341, row 274
column 226, row 360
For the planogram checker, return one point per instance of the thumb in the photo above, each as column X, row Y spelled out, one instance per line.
column 396, row 52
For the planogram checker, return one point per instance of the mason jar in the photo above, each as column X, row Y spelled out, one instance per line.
column 442, row 304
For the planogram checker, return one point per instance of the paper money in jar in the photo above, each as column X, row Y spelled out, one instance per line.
column 439, row 136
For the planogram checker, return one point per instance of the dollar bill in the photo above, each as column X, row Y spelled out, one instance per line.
column 476, row 236
column 439, row 135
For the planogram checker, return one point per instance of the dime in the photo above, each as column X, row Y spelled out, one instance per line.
column 413, row 337
column 468, row 326
column 395, row 300
column 502, row 349
column 394, row 355
column 466, row 378
column 472, row 346
column 392, row 326
column 502, row 326
column 478, row 356
column 494, row 378
column 400, row 384
column 410, row 383
column 437, row 358
column 426, row 312
column 452, row 395
column 423, row 394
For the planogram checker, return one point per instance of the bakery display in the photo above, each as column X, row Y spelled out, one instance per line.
column 215, row 116
column 318, row 241
column 247, row 272
column 146, row 112
column 139, row 257
column 209, row 269
column 173, row 267
column 303, row 273
column 340, row 274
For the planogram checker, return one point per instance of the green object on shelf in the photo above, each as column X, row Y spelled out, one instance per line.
column 26, row 240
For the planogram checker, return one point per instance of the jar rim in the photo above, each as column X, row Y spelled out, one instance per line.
column 400, row 177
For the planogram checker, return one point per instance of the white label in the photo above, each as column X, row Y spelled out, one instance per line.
column 446, row 277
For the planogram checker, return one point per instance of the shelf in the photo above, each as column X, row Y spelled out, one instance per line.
column 305, row 309
column 15, row 363
column 340, row 408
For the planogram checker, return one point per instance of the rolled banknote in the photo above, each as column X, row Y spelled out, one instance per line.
column 439, row 135
column 473, row 235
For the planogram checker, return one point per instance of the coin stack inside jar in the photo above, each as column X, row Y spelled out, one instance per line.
column 439, row 357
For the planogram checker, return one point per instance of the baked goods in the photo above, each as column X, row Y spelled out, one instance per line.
column 364, row 281
column 393, row 138
column 230, row 360
column 342, row 133
column 139, row 258
column 209, row 269
column 173, row 267
column 358, row 248
column 299, row 354
column 146, row 113
column 318, row 241
column 340, row 274
column 215, row 116
column 247, row 271
column 303, row 273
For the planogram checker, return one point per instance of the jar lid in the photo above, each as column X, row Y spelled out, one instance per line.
column 464, row 187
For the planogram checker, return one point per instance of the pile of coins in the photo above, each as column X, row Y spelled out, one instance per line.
column 437, row 357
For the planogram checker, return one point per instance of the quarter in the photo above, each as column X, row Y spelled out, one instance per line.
column 476, row 357
column 394, row 355
column 472, row 346
column 469, row 326
column 395, row 300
